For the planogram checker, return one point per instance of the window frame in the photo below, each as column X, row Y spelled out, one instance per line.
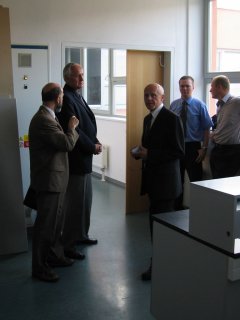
column 113, row 81
column 234, row 76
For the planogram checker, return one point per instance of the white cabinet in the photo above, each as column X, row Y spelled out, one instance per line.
column 196, row 255
column 190, row 278
column 215, row 212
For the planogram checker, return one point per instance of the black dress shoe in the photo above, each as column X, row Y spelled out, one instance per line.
column 45, row 275
column 60, row 262
column 74, row 254
column 147, row 275
column 88, row 241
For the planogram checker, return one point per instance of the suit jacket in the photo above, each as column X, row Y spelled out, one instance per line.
column 48, row 147
column 165, row 144
column 80, row 158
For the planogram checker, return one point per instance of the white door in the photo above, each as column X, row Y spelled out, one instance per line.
column 30, row 74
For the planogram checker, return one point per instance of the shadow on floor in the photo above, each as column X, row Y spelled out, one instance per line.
column 106, row 285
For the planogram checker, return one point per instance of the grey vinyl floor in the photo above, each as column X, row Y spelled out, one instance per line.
column 106, row 285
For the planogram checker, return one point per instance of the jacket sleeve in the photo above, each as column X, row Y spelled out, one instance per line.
column 50, row 133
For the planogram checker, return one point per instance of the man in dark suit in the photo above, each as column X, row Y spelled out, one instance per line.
column 48, row 147
column 79, row 192
column 161, row 150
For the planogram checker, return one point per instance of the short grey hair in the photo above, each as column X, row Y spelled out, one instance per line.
column 68, row 70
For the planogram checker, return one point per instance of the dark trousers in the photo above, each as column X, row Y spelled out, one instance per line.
column 47, row 227
column 158, row 206
column 77, row 209
column 225, row 161
column 193, row 168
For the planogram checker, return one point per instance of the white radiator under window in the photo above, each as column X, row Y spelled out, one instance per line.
column 100, row 161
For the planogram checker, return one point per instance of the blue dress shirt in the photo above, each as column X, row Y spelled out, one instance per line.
column 198, row 118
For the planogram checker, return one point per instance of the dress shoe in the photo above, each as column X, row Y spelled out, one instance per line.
column 88, row 241
column 74, row 254
column 147, row 275
column 60, row 262
column 45, row 275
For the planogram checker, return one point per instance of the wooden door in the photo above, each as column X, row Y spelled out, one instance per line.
column 143, row 67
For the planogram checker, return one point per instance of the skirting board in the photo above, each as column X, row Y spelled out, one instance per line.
column 119, row 183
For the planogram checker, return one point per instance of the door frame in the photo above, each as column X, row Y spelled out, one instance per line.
column 148, row 67
column 168, row 70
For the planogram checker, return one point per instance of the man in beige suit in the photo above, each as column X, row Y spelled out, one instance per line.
column 48, row 146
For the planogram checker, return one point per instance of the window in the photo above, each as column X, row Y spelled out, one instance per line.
column 104, row 80
column 119, row 82
column 223, row 54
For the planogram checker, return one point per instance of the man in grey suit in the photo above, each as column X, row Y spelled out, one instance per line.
column 161, row 150
column 48, row 147
column 225, row 155
column 78, row 202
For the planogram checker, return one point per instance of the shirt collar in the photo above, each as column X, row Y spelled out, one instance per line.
column 50, row 111
column 155, row 112
column 188, row 100
column 226, row 97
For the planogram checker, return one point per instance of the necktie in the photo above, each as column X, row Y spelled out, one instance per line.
column 219, row 104
column 183, row 115
column 147, row 126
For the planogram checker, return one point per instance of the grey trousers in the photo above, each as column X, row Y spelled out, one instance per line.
column 77, row 209
column 47, row 227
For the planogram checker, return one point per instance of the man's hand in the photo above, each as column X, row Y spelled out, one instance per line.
column 139, row 152
column 143, row 152
column 73, row 123
column 98, row 148
column 201, row 155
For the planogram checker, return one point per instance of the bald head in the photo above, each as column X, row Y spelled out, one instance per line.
column 52, row 96
column 51, row 91
column 156, row 87
column 153, row 96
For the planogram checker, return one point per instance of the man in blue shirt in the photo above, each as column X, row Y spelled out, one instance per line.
column 197, row 124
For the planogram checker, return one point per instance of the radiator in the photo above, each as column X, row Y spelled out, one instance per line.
column 100, row 161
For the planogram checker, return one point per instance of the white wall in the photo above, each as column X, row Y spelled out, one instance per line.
column 113, row 134
column 137, row 23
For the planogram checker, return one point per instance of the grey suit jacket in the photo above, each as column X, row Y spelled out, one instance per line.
column 48, row 146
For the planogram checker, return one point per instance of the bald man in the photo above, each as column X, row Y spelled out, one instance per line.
column 48, row 147
column 161, row 150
